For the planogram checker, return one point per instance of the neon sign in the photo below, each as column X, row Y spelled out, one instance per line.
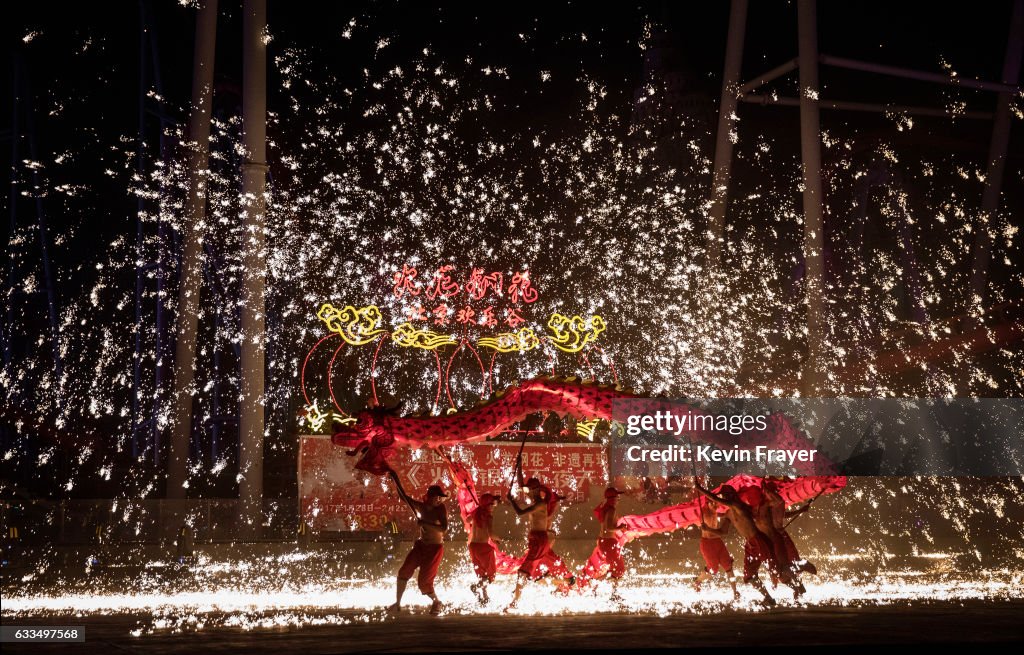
column 316, row 420
column 468, row 309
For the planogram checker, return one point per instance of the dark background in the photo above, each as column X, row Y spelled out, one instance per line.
column 83, row 80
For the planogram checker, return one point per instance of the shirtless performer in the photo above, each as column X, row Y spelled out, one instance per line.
column 540, row 558
column 762, row 513
column 608, row 547
column 482, row 544
column 712, row 547
column 432, row 517
column 757, row 549
column 755, row 498
column 779, row 514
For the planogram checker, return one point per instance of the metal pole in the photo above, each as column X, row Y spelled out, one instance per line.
column 996, row 159
column 37, row 186
column 773, row 74
column 254, row 171
column 215, row 421
column 726, row 124
column 13, row 209
column 187, row 319
column 140, row 265
column 814, row 241
column 160, row 346
column 845, row 105
column 937, row 78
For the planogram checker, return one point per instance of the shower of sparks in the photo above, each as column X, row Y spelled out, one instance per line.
column 236, row 594
column 414, row 165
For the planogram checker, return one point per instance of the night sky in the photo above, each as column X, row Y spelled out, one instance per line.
column 88, row 54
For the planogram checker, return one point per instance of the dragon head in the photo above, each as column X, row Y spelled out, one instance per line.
column 370, row 435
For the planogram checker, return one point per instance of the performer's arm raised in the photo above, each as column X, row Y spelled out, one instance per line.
column 521, row 510
column 417, row 506
column 716, row 498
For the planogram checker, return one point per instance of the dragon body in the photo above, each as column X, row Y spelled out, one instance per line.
column 683, row 515
column 377, row 432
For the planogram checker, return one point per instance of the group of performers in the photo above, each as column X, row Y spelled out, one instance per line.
column 758, row 515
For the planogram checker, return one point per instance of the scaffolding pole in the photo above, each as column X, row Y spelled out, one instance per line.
column 187, row 322
column 814, row 238
column 253, row 325
column 12, row 208
column 723, row 138
column 44, row 250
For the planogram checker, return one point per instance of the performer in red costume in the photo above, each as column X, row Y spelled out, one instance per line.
column 426, row 553
column 712, row 547
column 608, row 552
column 482, row 546
column 785, row 548
column 757, row 549
column 755, row 499
column 540, row 559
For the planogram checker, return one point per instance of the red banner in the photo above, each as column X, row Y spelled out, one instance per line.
column 336, row 497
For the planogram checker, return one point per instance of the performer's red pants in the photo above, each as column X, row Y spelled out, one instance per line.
column 611, row 549
column 716, row 555
column 426, row 558
column 540, row 559
column 484, row 562
column 759, row 549
column 792, row 554
column 784, row 549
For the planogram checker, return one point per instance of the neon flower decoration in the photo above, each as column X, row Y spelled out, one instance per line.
column 507, row 342
column 357, row 327
column 571, row 335
column 407, row 336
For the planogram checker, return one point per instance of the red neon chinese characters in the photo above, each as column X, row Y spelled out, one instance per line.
column 416, row 313
column 405, row 282
column 479, row 288
column 487, row 317
column 440, row 314
column 520, row 287
column 479, row 284
column 513, row 319
column 443, row 285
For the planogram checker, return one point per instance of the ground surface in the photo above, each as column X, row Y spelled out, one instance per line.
column 989, row 622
